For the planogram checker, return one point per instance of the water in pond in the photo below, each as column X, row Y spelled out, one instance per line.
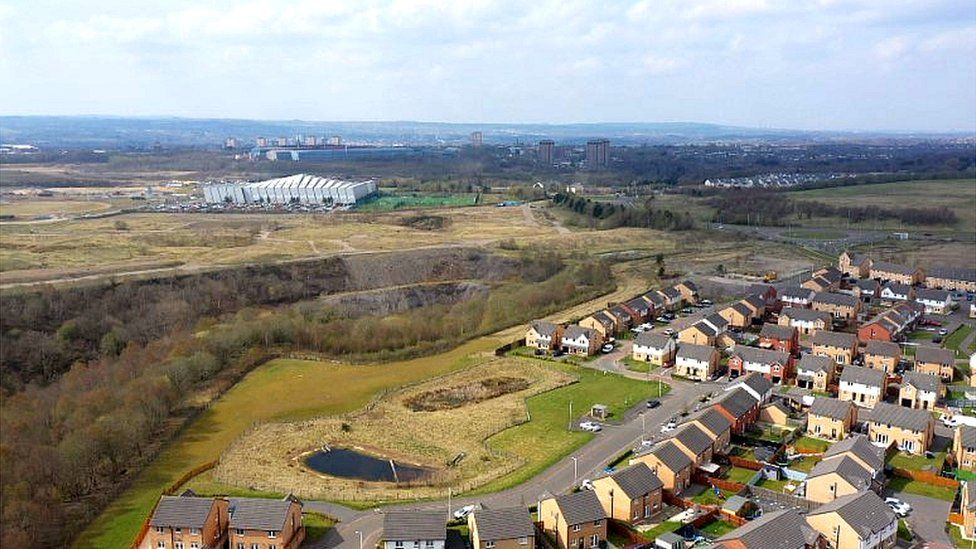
column 346, row 463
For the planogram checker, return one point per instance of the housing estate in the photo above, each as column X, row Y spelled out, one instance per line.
column 892, row 272
column 908, row 429
column 796, row 296
column 632, row 494
column 893, row 292
column 949, row 278
column 831, row 418
column 779, row 338
column 658, row 349
column 669, row 463
column 806, row 321
column 739, row 407
column 716, row 425
column 881, row 355
column 815, row 372
column 937, row 302
column 840, row 346
column 892, row 324
column 575, row 520
column 841, row 306
column 414, row 529
column 854, row 265
column 697, row 362
column 580, row 340
column 775, row 366
column 856, row 521
column 862, row 386
column 503, row 528
column 935, row 361
column 919, row 390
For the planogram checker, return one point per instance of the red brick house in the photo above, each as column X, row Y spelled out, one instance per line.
column 774, row 365
column 780, row 338
column 739, row 408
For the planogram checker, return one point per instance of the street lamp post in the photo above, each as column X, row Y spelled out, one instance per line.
column 575, row 470
column 360, row 534
column 643, row 430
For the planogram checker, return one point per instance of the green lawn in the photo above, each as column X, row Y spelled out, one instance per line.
column 804, row 465
column 549, row 412
column 717, row 529
column 384, row 203
column 708, row 497
column 811, row 444
column 921, row 335
column 954, row 340
column 918, row 463
column 740, row 475
column 899, row 484
column 774, row 485
column 279, row 390
column 956, row 534
column 903, row 531
column 638, row 365
column 316, row 526
column 652, row 533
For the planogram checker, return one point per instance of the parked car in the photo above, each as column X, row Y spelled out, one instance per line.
column 898, row 506
column 706, row 302
column 591, row 426
column 608, row 348
column 669, row 332
column 669, row 426
column 937, row 339
column 586, row 484
column 662, row 319
column 464, row 511
column 653, row 403
column 669, row 316
column 558, row 353
column 943, row 332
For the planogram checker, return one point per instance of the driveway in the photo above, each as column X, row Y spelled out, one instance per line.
column 590, row 461
column 928, row 517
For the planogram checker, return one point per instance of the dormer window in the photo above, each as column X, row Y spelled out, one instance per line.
column 272, row 534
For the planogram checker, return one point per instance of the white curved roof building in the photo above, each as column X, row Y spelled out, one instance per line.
column 300, row 188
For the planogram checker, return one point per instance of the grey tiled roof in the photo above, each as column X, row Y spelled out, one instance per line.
column 776, row 530
column 775, row 331
column 835, row 339
column 504, row 523
column 573, row 331
column 580, row 507
column 690, row 285
column 815, row 363
column 671, row 292
column 868, row 284
column 544, row 328
column 885, row 267
column 651, row 339
column 181, row 512
column 971, row 494
column 717, row 320
column 712, row 419
column 860, row 446
column 258, row 513
column 924, row 382
column 638, row 304
column 930, row 294
column 637, row 480
column 671, row 456
column 757, row 383
column 756, row 301
column 898, row 416
column 882, row 348
column 693, row 438
column 934, row 355
column 830, row 298
column 897, row 288
column 831, row 407
column 737, row 402
column 696, row 352
column 796, row 293
column 845, row 467
column 762, row 356
column 954, row 273
column 864, row 376
column 863, row 511
column 414, row 524
column 741, row 309
column 967, row 436
column 806, row 315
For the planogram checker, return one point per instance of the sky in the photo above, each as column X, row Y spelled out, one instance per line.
column 902, row 65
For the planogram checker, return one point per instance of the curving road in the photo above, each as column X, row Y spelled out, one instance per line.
column 559, row 478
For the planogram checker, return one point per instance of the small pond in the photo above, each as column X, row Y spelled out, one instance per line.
column 347, row 463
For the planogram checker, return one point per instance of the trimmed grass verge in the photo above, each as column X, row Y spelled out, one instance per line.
column 899, row 484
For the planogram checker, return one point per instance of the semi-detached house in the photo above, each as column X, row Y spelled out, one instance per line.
column 840, row 346
column 807, row 321
column 896, row 291
column 579, row 340
column 796, row 296
column 632, row 494
column 935, row 361
column 576, row 521
column 830, row 418
column 815, row 372
column 775, row 366
column 856, row 521
column 862, row 386
column 779, row 338
column 658, row 349
column 937, row 302
column 543, row 335
column 908, row 429
column 502, row 528
column 669, row 463
column 841, row 306
column 920, row 391
column 881, row 355
column 696, row 362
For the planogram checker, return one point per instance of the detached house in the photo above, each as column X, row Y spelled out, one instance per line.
column 414, row 529
column 658, row 349
column 837, row 477
column 948, row 278
column 779, row 529
column 775, row 366
column 859, row 448
column 839, row 346
column 920, row 391
column 840, row 306
column 689, row 291
column 738, row 315
column 696, row 362
column 881, row 355
column 935, row 361
column 937, row 302
column 779, row 338
column 706, row 331
column 576, row 521
column 578, row 340
column 669, row 463
column 806, row 321
column 187, row 521
column 908, row 429
column 504, row 528
column 964, row 448
column 856, row 521
column 830, row 418
column 896, row 291
column 892, row 272
column 631, row 495
column 275, row 524
column 715, row 425
column 544, row 335
column 815, row 372
column 739, row 407
column 862, row 386
column 854, row 265
column 796, row 296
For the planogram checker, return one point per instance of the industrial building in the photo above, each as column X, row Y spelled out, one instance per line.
column 300, row 188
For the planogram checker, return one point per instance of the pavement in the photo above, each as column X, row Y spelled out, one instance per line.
column 587, row 462
column 922, row 519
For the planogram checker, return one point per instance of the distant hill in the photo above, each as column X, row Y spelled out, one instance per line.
column 120, row 132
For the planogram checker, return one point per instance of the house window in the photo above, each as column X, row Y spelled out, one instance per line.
column 159, row 529
column 524, row 540
column 240, row 545
column 596, row 522
column 194, row 545
column 490, row 544
column 178, row 544
column 161, row 544
column 398, row 544
column 240, row 531
column 594, row 541
column 272, row 534
column 177, row 530
column 576, row 527
column 429, row 543
column 272, row 546
column 195, row 531
column 255, row 546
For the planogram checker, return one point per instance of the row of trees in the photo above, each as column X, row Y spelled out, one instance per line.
column 609, row 215
column 66, row 445
column 773, row 208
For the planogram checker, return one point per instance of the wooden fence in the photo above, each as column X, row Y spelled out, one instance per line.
column 726, row 485
column 745, row 463
column 927, row 477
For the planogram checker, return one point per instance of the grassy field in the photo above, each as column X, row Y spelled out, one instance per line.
column 740, row 475
column 918, row 463
column 955, row 339
column 718, row 528
column 280, row 390
column 958, row 195
column 44, row 207
column 899, row 484
column 638, row 365
column 386, row 203
column 811, row 444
